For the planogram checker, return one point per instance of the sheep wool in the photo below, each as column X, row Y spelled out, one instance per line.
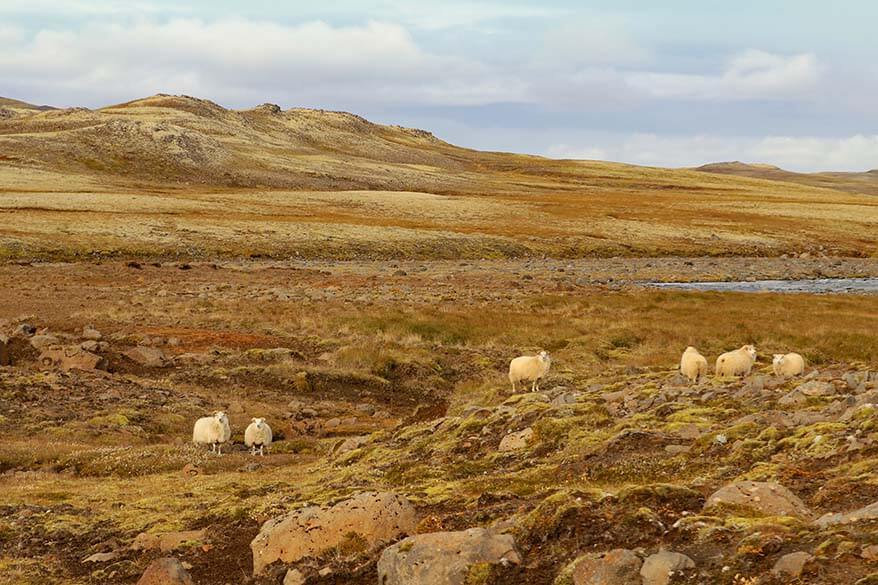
column 788, row 365
column 736, row 363
column 529, row 367
column 212, row 430
column 693, row 365
column 258, row 436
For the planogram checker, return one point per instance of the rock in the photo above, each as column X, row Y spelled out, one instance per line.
column 677, row 449
column 94, row 346
column 90, row 333
column 43, row 341
column 870, row 553
column 792, row 398
column 616, row 567
column 150, row 357
column 444, row 558
column 869, row 512
column 294, row 577
column 852, row 380
column 166, row 541
column 767, row 498
column 816, row 388
column 400, row 273
column 165, row 571
column 71, row 358
column 658, row 568
column 516, row 441
column 351, row 444
column 791, row 565
column 24, row 330
column 565, row 398
column 190, row 470
column 100, row 557
column 376, row 517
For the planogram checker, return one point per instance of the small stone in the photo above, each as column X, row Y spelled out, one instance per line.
column 657, row 569
column 294, row 577
column 100, row 557
column 792, row 564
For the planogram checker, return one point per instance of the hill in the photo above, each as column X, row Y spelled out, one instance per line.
column 185, row 177
column 865, row 182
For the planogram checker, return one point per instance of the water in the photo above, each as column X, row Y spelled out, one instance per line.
column 816, row 285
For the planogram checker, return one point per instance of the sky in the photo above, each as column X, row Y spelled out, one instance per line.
column 670, row 83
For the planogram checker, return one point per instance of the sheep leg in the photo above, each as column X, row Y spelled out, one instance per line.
column 213, row 447
column 513, row 387
column 219, row 449
column 262, row 450
column 533, row 387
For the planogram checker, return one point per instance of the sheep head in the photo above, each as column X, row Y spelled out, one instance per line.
column 750, row 349
column 778, row 358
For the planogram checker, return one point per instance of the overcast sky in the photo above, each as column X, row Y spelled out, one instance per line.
column 670, row 83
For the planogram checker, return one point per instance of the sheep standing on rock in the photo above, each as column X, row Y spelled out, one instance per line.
column 212, row 430
column 528, row 367
column 791, row 364
column 736, row 363
column 258, row 436
column 693, row 365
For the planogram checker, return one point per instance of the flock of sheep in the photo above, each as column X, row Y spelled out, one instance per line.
column 214, row 430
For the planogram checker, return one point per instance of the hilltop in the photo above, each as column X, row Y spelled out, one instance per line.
column 184, row 177
column 865, row 182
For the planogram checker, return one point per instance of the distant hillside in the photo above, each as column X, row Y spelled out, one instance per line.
column 182, row 176
column 865, row 182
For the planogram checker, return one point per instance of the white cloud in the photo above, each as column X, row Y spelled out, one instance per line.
column 806, row 154
column 750, row 75
column 238, row 59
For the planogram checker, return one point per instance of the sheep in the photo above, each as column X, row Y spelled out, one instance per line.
column 212, row 430
column 791, row 364
column 736, row 363
column 258, row 436
column 529, row 367
column 693, row 365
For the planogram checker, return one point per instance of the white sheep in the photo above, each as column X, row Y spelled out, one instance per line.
column 693, row 365
column 528, row 367
column 212, row 430
column 258, row 436
column 791, row 364
column 736, row 363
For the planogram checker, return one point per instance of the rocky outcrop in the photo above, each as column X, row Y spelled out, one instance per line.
column 444, row 558
column 374, row 517
column 766, row 498
column 71, row 358
column 791, row 565
column 149, row 357
column 516, row 441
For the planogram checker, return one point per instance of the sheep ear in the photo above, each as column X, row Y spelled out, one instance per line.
column 254, row 420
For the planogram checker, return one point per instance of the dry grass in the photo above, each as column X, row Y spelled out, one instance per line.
column 172, row 176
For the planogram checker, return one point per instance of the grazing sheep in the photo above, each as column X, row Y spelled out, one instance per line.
column 212, row 430
column 736, row 363
column 791, row 364
column 693, row 365
column 258, row 436
column 529, row 367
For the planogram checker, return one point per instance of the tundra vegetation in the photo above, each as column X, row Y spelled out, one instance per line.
column 388, row 374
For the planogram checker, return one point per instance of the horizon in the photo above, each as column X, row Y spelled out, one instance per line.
column 676, row 86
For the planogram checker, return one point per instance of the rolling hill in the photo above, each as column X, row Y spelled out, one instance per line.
column 184, row 177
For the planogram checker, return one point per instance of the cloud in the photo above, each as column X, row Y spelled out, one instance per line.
column 806, row 154
column 236, row 60
column 751, row 75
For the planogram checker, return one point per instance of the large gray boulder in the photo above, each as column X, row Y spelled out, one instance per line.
column 444, row 558
column 308, row 532
column 762, row 497
column 869, row 512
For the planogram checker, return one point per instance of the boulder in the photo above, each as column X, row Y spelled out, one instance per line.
column 43, row 341
column 166, row 541
column 165, row 571
column 375, row 517
column 766, row 498
column 616, row 567
column 657, row 569
column 791, row 565
column 816, row 388
column 516, row 441
column 444, row 558
column 869, row 512
column 90, row 333
column 150, row 357
column 71, row 357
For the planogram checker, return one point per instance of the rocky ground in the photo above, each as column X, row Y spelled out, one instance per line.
column 401, row 455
